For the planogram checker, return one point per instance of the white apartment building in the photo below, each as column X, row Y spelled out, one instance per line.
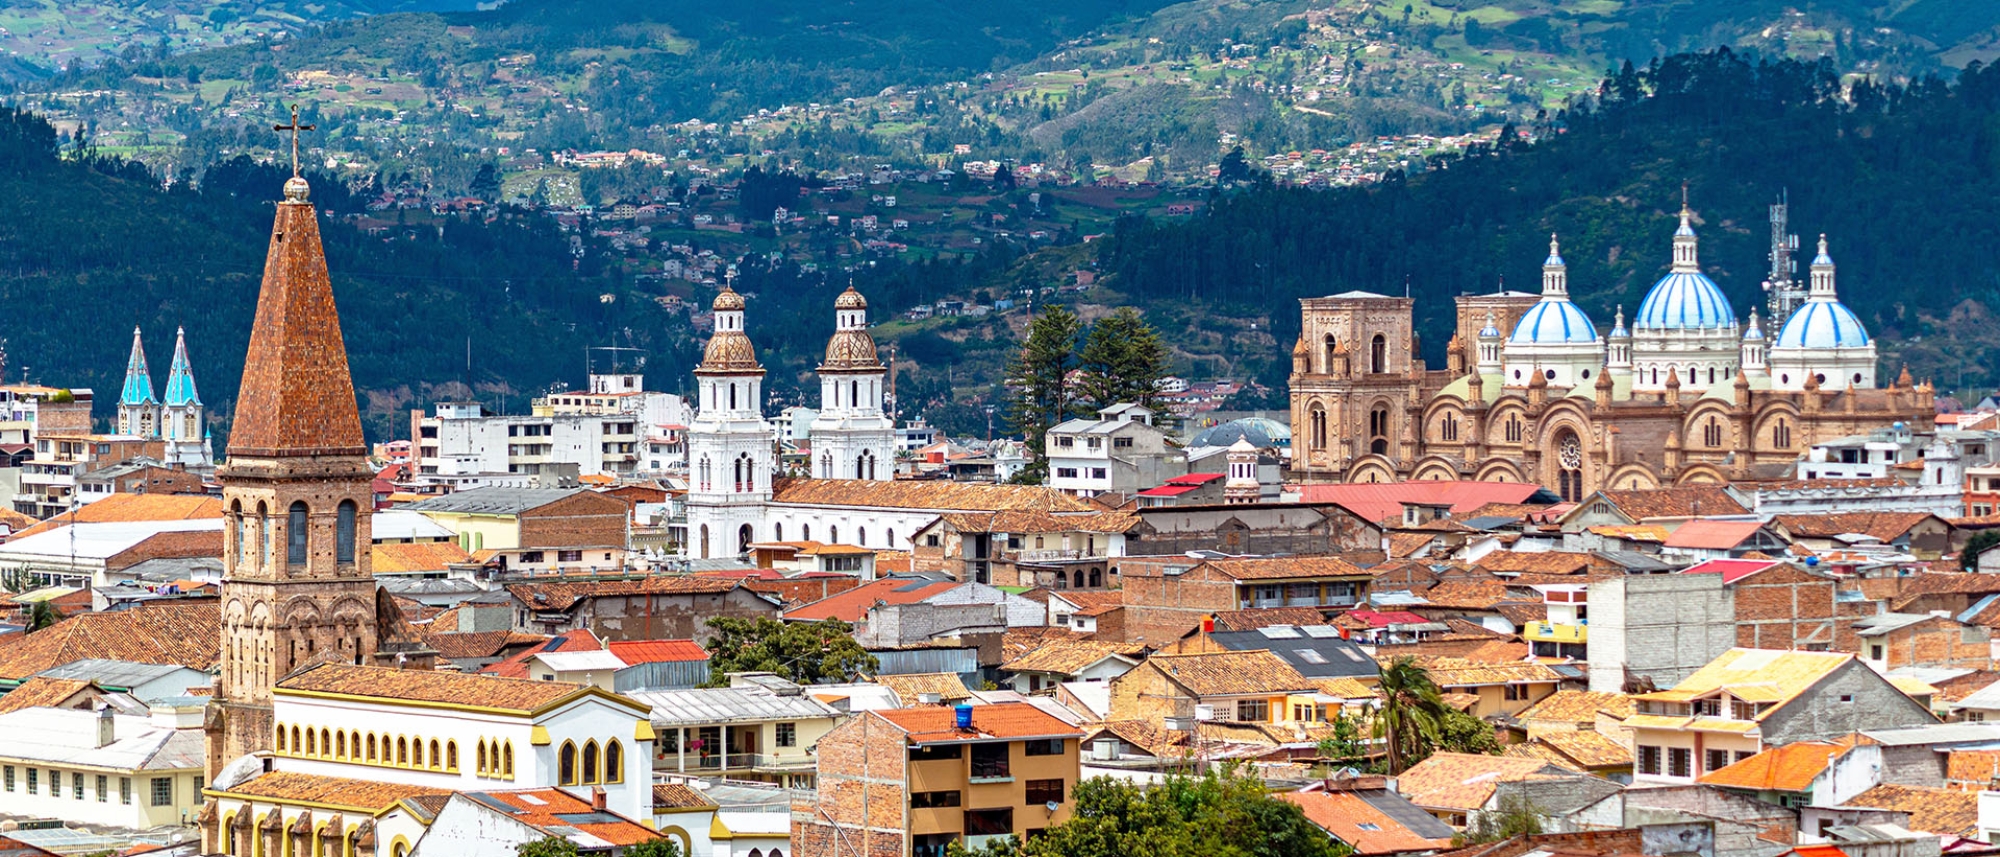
column 100, row 768
column 603, row 431
column 1120, row 450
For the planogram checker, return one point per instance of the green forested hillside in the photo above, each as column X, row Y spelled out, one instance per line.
column 1904, row 181
column 91, row 247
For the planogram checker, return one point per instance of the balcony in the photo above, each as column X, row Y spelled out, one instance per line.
column 1551, row 632
column 1050, row 555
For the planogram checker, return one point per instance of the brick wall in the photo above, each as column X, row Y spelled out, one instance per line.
column 663, row 616
column 1787, row 608
column 1160, row 607
column 1934, row 642
column 859, row 807
column 582, row 520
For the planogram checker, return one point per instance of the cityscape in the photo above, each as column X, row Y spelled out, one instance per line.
column 802, row 431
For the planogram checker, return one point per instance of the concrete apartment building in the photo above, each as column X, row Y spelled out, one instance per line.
column 1120, row 450
column 603, row 431
column 535, row 529
column 1166, row 597
column 908, row 782
column 49, row 482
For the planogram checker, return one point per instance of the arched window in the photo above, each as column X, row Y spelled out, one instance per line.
column 311, row 745
column 1711, row 433
column 433, row 757
column 1569, row 463
column 1378, row 429
column 704, row 541
column 507, row 760
column 295, row 534
column 1327, row 347
column 566, row 765
column 481, row 757
column 344, row 533
column 325, row 742
column 1781, row 434
column 806, row 532
column 743, row 538
column 281, row 737
column 1513, row 427
column 778, row 532
column 1096, row 577
column 707, row 473
column 861, row 537
column 614, row 762
column 451, row 756
column 1318, row 425
column 1077, row 578
column 1378, row 354
column 890, row 538
column 371, row 746
column 340, row 745
column 832, row 535
column 268, row 539
column 402, row 751
column 1448, row 428
column 243, row 532
column 732, row 396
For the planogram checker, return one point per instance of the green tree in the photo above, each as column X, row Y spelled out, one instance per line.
column 549, row 847
column 1235, row 167
column 40, row 614
column 1459, row 732
column 1043, row 393
column 1347, row 747
column 486, row 183
column 1411, row 715
column 1224, row 813
column 1516, row 816
column 804, row 652
column 1123, row 360
column 1968, row 558
column 661, row 847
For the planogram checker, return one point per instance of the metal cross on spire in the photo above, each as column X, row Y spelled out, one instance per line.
column 295, row 128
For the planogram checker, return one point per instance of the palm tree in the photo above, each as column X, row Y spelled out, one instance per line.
column 1411, row 712
column 40, row 614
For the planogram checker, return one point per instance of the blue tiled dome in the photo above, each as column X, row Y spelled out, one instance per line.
column 1553, row 321
column 1823, row 324
column 1685, row 300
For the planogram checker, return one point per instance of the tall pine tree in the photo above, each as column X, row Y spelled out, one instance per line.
column 1043, row 394
column 1123, row 361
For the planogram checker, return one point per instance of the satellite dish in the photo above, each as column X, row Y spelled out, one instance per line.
column 1052, row 805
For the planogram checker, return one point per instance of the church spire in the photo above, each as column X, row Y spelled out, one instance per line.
column 138, row 378
column 1822, row 272
column 1555, row 274
column 297, row 397
column 1685, row 259
column 180, row 378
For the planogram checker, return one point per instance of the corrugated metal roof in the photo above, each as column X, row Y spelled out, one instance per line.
column 493, row 500
column 728, row 705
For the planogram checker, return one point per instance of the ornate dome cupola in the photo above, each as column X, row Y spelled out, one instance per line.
column 731, row 459
column 1553, row 339
column 1618, row 350
column 853, row 436
column 1753, row 357
column 1685, row 324
column 1823, row 340
column 1490, row 340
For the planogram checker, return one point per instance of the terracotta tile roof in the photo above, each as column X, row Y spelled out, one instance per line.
column 297, row 397
column 1535, row 562
column 1343, row 816
column 1092, row 602
column 460, row 645
column 1580, row 706
column 1944, row 583
column 369, row 796
column 1251, row 620
column 1887, row 526
column 1975, row 769
column 1460, row 672
column 1019, row 641
column 557, row 813
column 911, row 687
column 1466, row 595
column 1067, row 657
column 1758, row 675
column 1686, row 501
column 679, row 796
column 1787, row 768
column 421, row 556
column 126, row 508
column 852, row 605
column 656, row 651
column 42, row 692
column 1463, row 781
column 511, row 694
column 939, row 496
column 1346, row 688
column 1586, row 749
column 1509, row 510
column 1946, row 812
column 1025, row 521
column 999, row 720
column 1652, row 533
column 1231, row 673
column 1285, row 568
column 187, row 633
column 1713, row 535
column 15, row 521
column 1405, row 545
column 1147, row 735
column 561, row 595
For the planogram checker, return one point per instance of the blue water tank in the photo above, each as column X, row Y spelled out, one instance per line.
column 963, row 716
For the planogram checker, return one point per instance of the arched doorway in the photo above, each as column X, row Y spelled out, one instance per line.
column 743, row 537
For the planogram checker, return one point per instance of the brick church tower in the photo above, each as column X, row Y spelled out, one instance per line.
column 296, row 496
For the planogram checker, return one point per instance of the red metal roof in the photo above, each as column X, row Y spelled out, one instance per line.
column 656, row 651
column 1195, row 479
column 1167, row 491
column 1375, row 502
column 579, row 640
column 1732, row 570
column 1384, row 620
column 1712, row 535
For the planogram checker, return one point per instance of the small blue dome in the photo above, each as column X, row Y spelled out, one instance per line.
column 1822, row 324
column 1554, row 321
column 1685, row 300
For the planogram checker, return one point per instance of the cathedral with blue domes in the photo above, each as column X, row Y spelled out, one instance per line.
column 1683, row 392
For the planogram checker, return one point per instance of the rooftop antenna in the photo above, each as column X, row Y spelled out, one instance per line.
column 1406, row 285
column 1784, row 292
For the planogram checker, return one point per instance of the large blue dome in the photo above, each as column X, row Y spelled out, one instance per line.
column 1553, row 321
column 1685, row 300
column 1822, row 324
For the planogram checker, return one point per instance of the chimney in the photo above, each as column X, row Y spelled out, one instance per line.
column 597, row 798
column 107, row 729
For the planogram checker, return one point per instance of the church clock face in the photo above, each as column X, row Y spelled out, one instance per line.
column 1571, row 453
